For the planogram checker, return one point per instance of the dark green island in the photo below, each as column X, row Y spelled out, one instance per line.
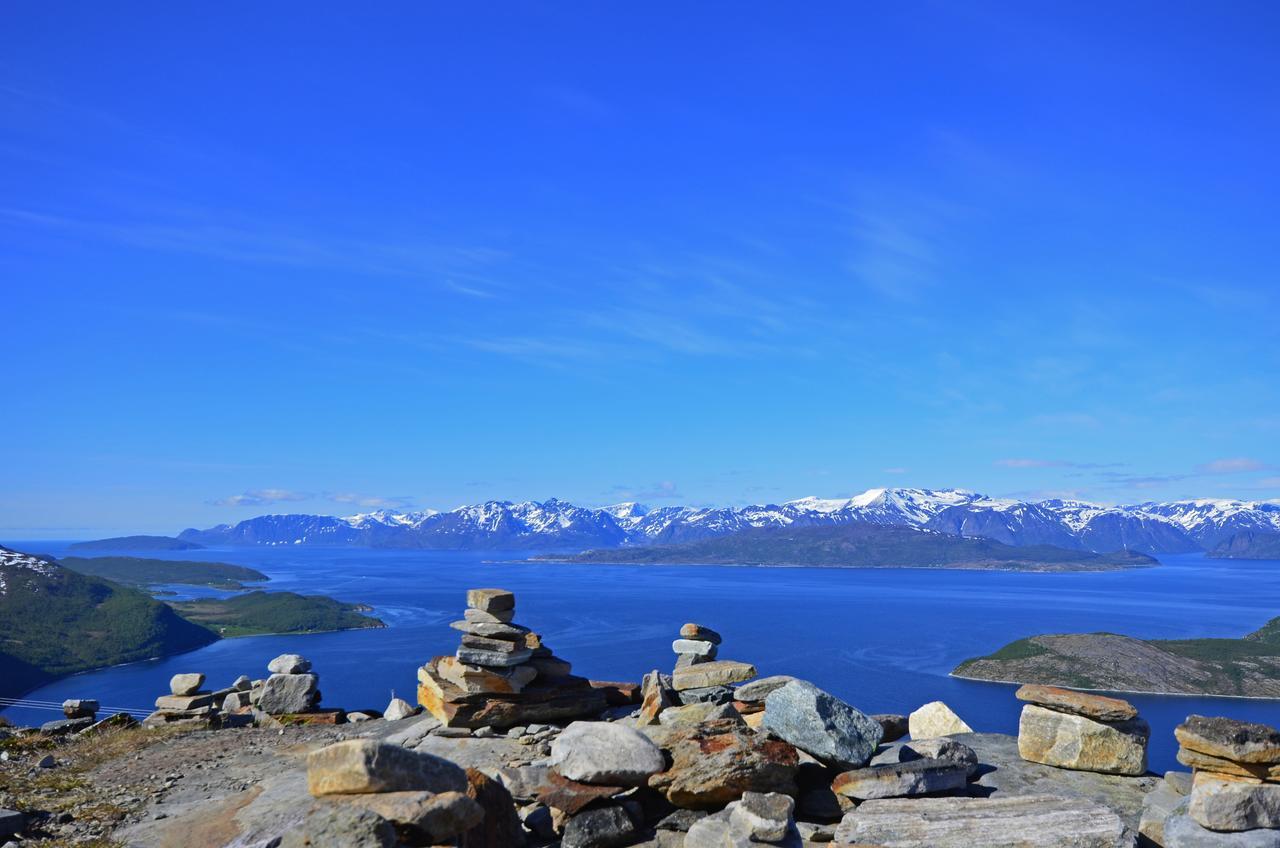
column 1246, row 667
column 136, row 571
column 862, row 546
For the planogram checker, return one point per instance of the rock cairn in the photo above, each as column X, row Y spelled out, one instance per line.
column 292, row 689
column 1235, row 784
column 186, row 704
column 1075, row 730
column 502, row 674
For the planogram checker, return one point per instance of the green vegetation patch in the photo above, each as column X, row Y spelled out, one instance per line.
column 257, row 613
column 64, row 622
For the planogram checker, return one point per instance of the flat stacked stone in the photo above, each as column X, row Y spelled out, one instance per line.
column 502, row 674
column 1235, row 774
column 186, row 703
column 1077, row 730
column 697, row 644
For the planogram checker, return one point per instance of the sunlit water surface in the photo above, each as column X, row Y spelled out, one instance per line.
column 883, row 639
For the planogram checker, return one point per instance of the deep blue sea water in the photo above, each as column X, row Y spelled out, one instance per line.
column 883, row 639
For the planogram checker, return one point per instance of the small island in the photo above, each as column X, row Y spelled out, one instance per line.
column 862, row 546
column 1244, row 667
column 136, row 571
column 259, row 613
column 137, row 543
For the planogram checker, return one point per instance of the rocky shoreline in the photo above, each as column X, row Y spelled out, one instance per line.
column 508, row 748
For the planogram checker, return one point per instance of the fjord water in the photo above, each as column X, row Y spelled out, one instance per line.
column 883, row 639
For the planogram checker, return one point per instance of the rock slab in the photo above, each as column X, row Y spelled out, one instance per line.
column 1035, row 821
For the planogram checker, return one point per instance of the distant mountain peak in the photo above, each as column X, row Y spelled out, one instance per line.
column 1173, row 527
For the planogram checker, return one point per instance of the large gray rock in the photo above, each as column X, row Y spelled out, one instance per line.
column 821, row 725
column 900, row 780
column 288, row 693
column 1233, row 805
column 289, row 664
column 1075, row 742
column 1097, row 707
column 605, row 753
column 1181, row 831
column 1038, row 821
column 185, row 684
column 366, row 765
column 603, row 827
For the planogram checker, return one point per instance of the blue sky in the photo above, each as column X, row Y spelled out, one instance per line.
column 318, row 259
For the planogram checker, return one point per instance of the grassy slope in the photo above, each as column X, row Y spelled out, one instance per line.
column 257, row 613
column 67, row 622
column 136, row 571
column 861, row 545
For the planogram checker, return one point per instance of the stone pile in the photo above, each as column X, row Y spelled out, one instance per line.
column 1075, row 730
column 755, row 819
column 80, row 714
column 186, row 704
column 1235, row 785
column 388, row 795
column 292, row 689
column 502, row 675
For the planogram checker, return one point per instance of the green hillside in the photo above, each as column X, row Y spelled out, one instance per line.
column 54, row 621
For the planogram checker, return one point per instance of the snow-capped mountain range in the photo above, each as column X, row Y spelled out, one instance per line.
column 1175, row 527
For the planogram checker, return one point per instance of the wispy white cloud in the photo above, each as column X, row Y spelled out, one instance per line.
column 1232, row 465
column 262, row 497
column 403, row 502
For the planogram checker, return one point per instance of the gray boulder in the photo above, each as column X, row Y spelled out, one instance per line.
column 185, row 684
column 1233, row 805
column 821, row 725
column 606, row 754
column 289, row 664
column 288, row 693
